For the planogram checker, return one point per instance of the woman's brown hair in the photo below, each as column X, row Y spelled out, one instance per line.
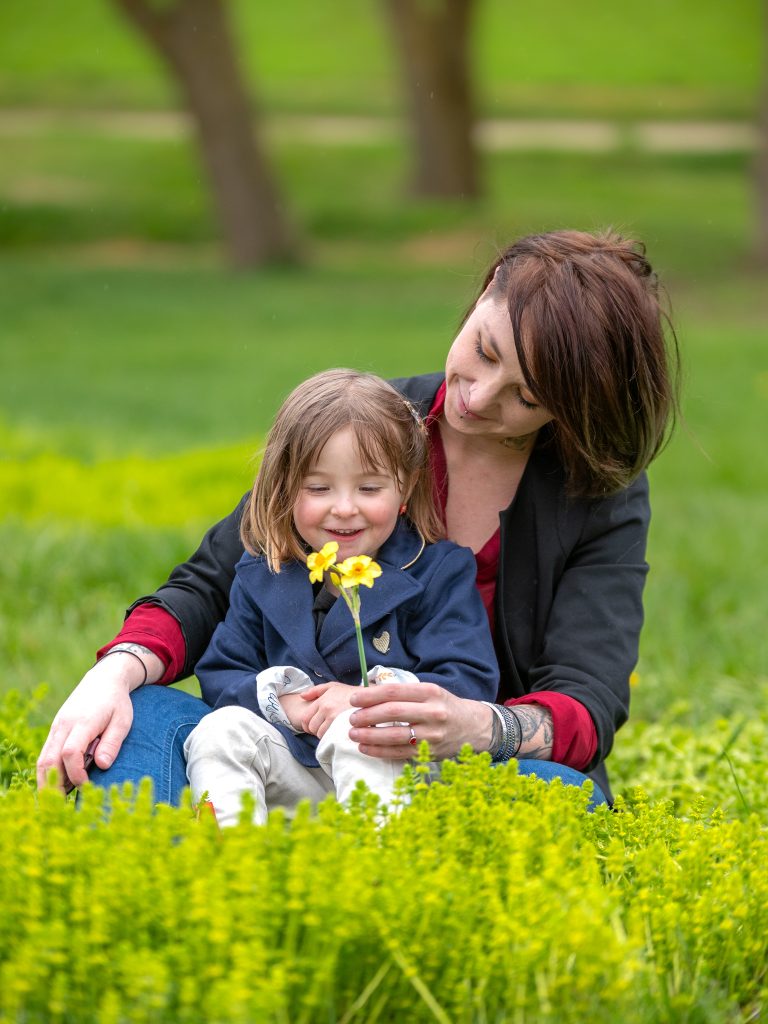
column 590, row 336
column 390, row 437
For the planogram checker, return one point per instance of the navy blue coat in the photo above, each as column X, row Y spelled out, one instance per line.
column 437, row 625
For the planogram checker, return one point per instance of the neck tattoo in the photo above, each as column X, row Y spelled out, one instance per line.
column 517, row 444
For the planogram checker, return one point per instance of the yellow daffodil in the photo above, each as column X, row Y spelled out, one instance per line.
column 358, row 570
column 319, row 561
column 348, row 576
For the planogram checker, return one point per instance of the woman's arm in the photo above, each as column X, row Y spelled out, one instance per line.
column 197, row 592
column 583, row 642
column 197, row 596
column 537, row 733
column 99, row 708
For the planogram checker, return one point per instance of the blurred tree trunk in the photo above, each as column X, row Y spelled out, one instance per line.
column 432, row 41
column 761, row 168
column 194, row 40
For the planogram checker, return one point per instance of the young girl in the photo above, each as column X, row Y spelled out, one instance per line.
column 345, row 464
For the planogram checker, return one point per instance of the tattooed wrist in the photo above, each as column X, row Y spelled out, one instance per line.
column 537, row 737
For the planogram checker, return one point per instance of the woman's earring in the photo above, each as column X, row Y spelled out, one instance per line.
column 403, row 509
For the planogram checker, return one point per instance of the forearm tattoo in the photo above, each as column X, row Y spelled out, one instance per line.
column 538, row 734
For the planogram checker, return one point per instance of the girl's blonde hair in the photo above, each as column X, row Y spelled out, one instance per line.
column 390, row 437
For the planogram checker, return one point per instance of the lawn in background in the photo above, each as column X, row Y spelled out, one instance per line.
column 698, row 58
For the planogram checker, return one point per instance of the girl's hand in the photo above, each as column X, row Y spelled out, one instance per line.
column 295, row 707
column 445, row 721
column 321, row 706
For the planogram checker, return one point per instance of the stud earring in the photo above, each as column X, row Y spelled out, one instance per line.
column 403, row 509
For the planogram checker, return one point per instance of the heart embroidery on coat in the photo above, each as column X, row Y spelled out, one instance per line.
column 381, row 643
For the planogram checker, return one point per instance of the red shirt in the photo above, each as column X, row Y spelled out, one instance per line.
column 574, row 735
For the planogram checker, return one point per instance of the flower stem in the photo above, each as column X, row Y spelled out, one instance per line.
column 361, row 653
column 352, row 600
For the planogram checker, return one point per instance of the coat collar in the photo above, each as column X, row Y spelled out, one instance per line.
column 402, row 548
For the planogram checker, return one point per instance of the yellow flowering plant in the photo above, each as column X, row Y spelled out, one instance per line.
column 348, row 576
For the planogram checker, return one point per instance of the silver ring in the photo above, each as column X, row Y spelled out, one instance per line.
column 412, row 740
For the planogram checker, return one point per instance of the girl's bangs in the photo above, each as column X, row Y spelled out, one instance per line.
column 381, row 448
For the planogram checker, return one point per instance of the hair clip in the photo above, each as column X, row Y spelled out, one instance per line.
column 419, row 421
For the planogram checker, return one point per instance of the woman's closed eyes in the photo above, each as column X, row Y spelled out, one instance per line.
column 488, row 360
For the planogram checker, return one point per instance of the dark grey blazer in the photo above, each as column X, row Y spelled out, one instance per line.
column 569, row 595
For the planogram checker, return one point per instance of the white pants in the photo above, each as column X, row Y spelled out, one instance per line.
column 233, row 751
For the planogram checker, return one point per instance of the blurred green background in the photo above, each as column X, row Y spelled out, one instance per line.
column 138, row 373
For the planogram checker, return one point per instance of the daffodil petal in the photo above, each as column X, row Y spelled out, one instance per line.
column 319, row 561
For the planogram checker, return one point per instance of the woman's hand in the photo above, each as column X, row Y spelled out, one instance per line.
column 321, row 705
column 99, row 708
column 445, row 721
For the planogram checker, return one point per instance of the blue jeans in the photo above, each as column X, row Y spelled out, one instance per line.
column 164, row 717
column 549, row 770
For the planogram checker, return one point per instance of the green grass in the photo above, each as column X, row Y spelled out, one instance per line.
column 657, row 59
column 115, row 359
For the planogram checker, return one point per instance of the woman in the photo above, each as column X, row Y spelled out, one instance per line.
column 557, row 394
